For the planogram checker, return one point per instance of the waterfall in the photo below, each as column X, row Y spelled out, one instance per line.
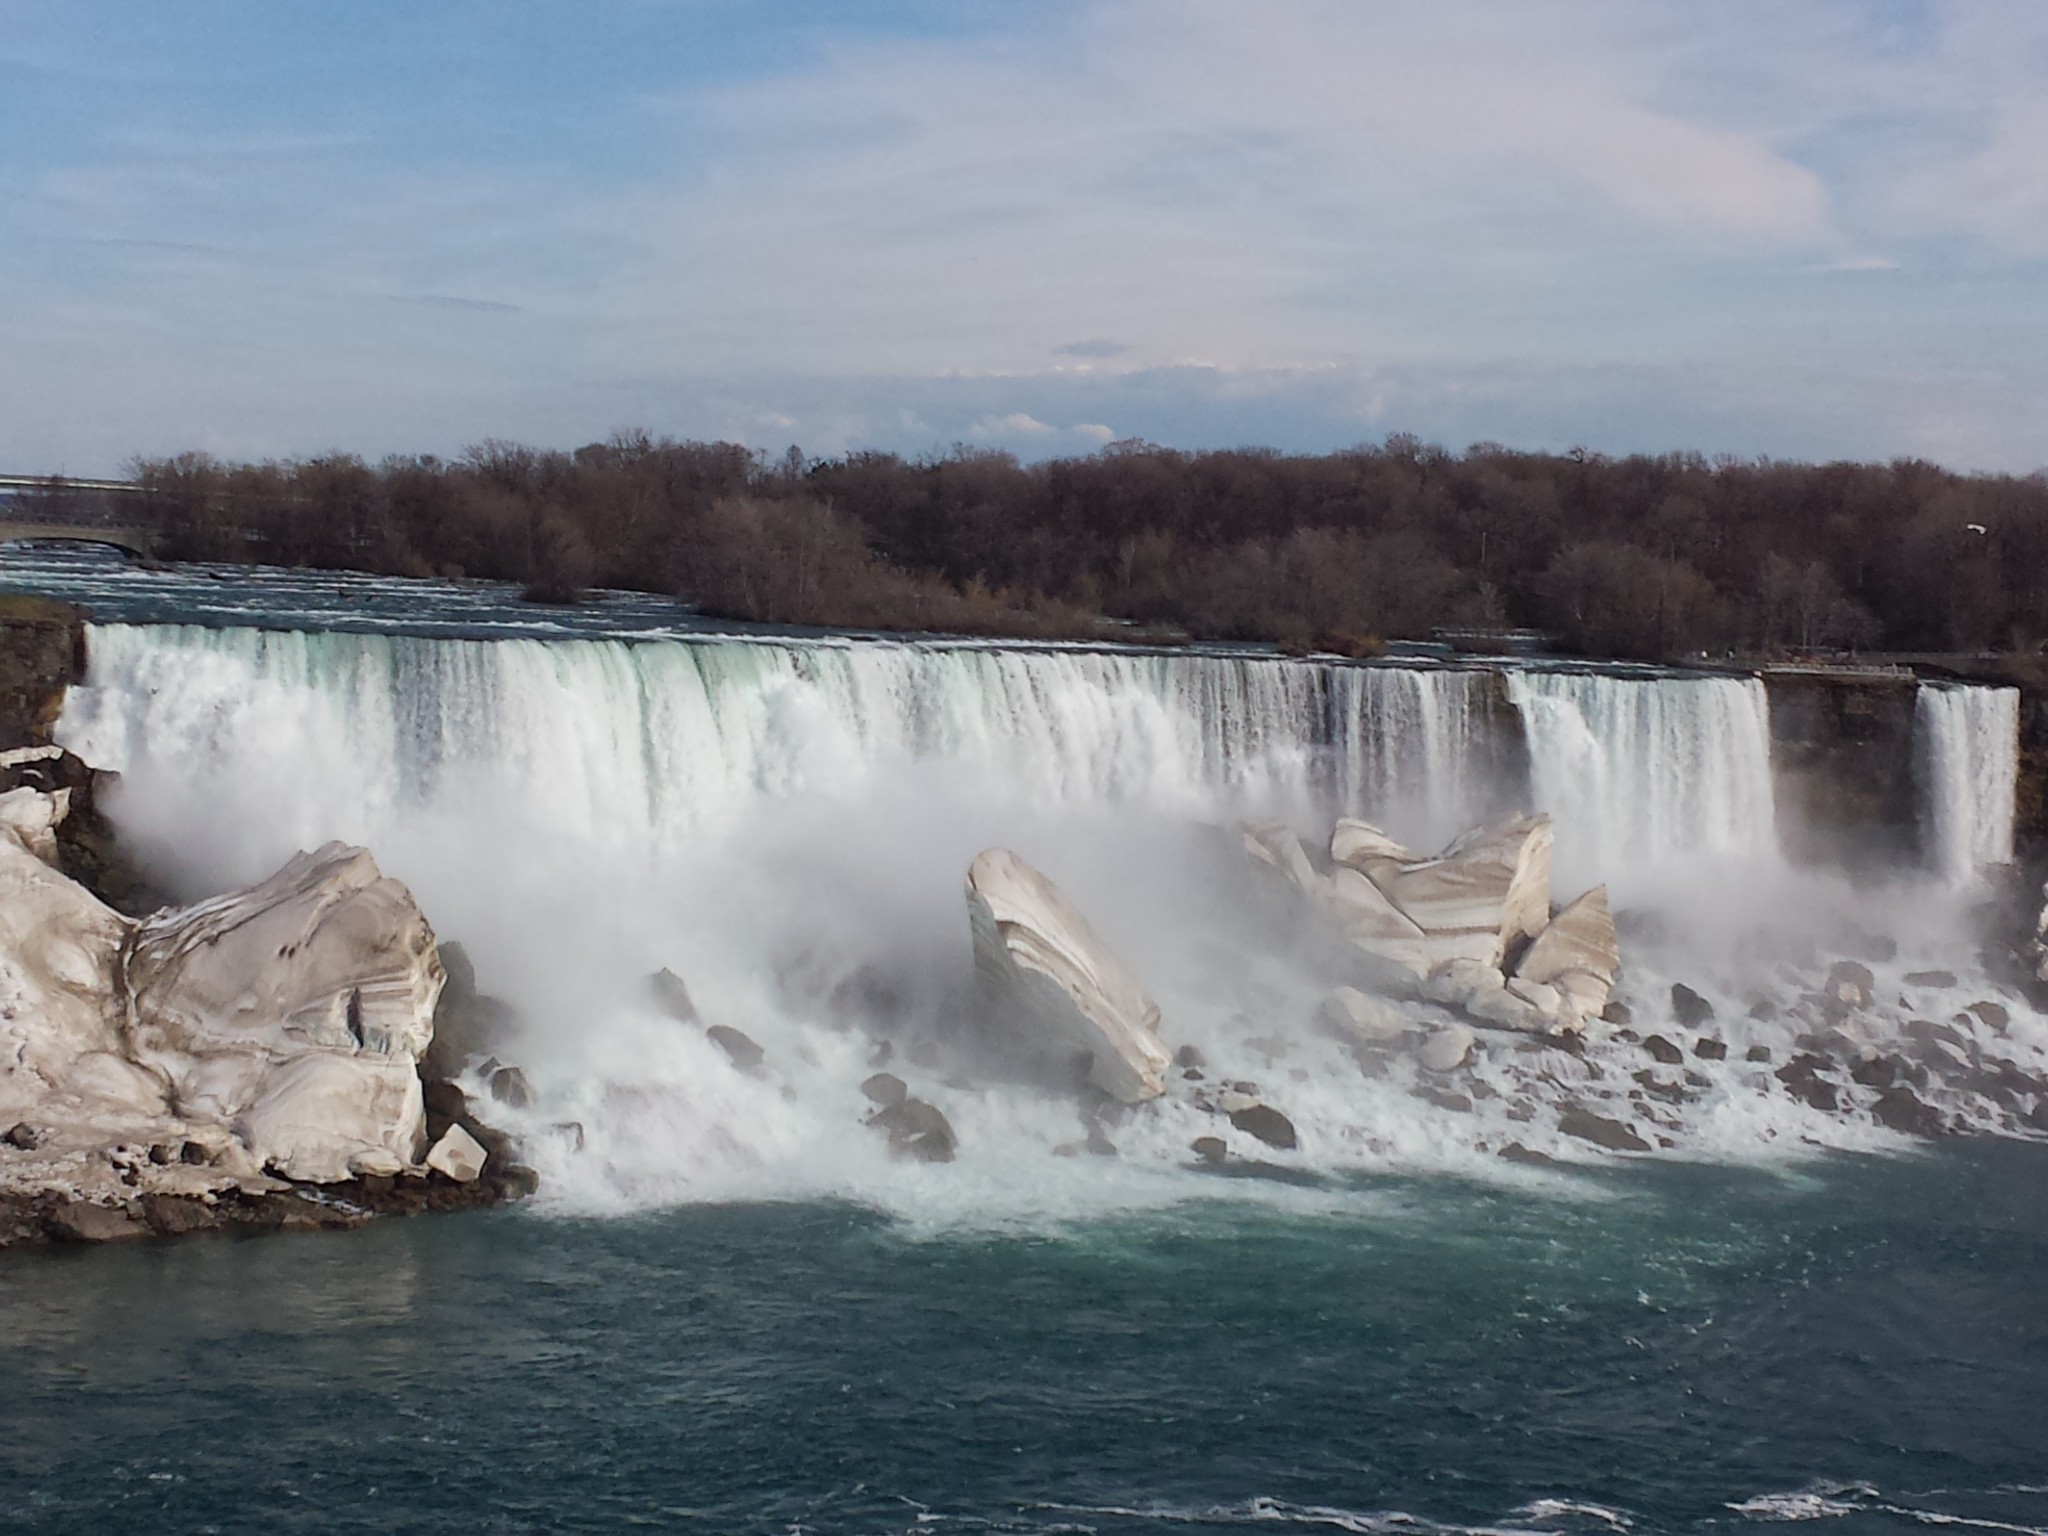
column 1966, row 744
column 648, row 744
column 1648, row 773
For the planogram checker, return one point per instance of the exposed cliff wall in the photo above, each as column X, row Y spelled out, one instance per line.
column 42, row 652
column 1842, row 757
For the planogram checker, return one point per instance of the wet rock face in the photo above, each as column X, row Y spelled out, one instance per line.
column 1267, row 1124
column 1688, row 1007
column 1601, row 1131
column 916, row 1130
column 1051, row 985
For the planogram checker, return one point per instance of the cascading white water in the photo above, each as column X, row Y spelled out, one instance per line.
column 648, row 743
column 1967, row 744
column 1647, row 774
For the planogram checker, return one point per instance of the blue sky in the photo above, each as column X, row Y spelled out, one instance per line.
column 1807, row 228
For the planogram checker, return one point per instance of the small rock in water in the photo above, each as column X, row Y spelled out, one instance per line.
column 1663, row 1050
column 1851, row 983
column 23, row 1136
column 885, row 1089
column 1876, row 1071
column 1098, row 1143
column 1267, row 1124
column 1211, row 1149
column 1930, row 978
column 1899, row 1109
column 1445, row 1098
column 918, row 1130
column 509, row 1087
column 1993, row 1014
column 1763, row 1010
column 1707, row 1048
column 1446, row 1049
column 1601, row 1131
column 1515, row 1152
column 1616, row 1012
column 1757, row 1053
column 671, row 996
column 1802, row 1079
column 739, row 1048
column 1189, row 1058
column 1688, row 1007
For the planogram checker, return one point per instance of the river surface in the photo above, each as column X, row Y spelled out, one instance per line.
column 730, row 1311
column 1667, row 1349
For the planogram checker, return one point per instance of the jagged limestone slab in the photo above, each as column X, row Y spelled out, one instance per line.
column 1047, row 977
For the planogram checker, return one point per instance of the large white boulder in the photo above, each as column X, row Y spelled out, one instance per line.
column 61, row 1008
column 295, row 1010
column 1482, row 894
column 1045, row 974
column 1578, row 954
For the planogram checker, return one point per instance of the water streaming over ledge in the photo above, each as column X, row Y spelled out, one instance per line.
column 1966, row 740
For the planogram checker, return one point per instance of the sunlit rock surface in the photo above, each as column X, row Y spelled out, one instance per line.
column 298, row 1007
column 192, row 1056
column 1578, row 954
column 1046, row 976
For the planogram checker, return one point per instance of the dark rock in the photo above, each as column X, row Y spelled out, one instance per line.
column 81, row 1221
column 1211, row 1149
column 1445, row 1098
column 1616, row 1012
column 509, row 1087
column 1850, row 983
column 1763, row 1010
column 1267, row 1124
column 1190, row 1058
column 1709, row 1049
column 1930, row 978
column 1875, row 1071
column 672, row 996
column 1670, row 1093
column 885, row 1089
column 879, row 1056
column 1802, row 1079
column 1757, row 1053
column 1515, row 1152
column 738, row 1046
column 1663, row 1050
column 1601, row 1131
column 917, row 1130
column 177, row 1215
column 1899, row 1109
column 1688, row 1007
column 1192, row 1075
column 1994, row 1015
column 24, row 1137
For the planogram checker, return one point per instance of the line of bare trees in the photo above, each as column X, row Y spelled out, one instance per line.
column 1647, row 556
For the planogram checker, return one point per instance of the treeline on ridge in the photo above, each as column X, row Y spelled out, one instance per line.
column 1653, row 557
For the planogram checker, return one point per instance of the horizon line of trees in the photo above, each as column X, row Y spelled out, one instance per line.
column 1650, row 557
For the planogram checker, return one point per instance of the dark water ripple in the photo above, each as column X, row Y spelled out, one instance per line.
column 1864, row 1345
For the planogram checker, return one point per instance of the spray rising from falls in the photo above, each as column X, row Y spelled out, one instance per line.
column 1967, row 741
column 786, row 824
